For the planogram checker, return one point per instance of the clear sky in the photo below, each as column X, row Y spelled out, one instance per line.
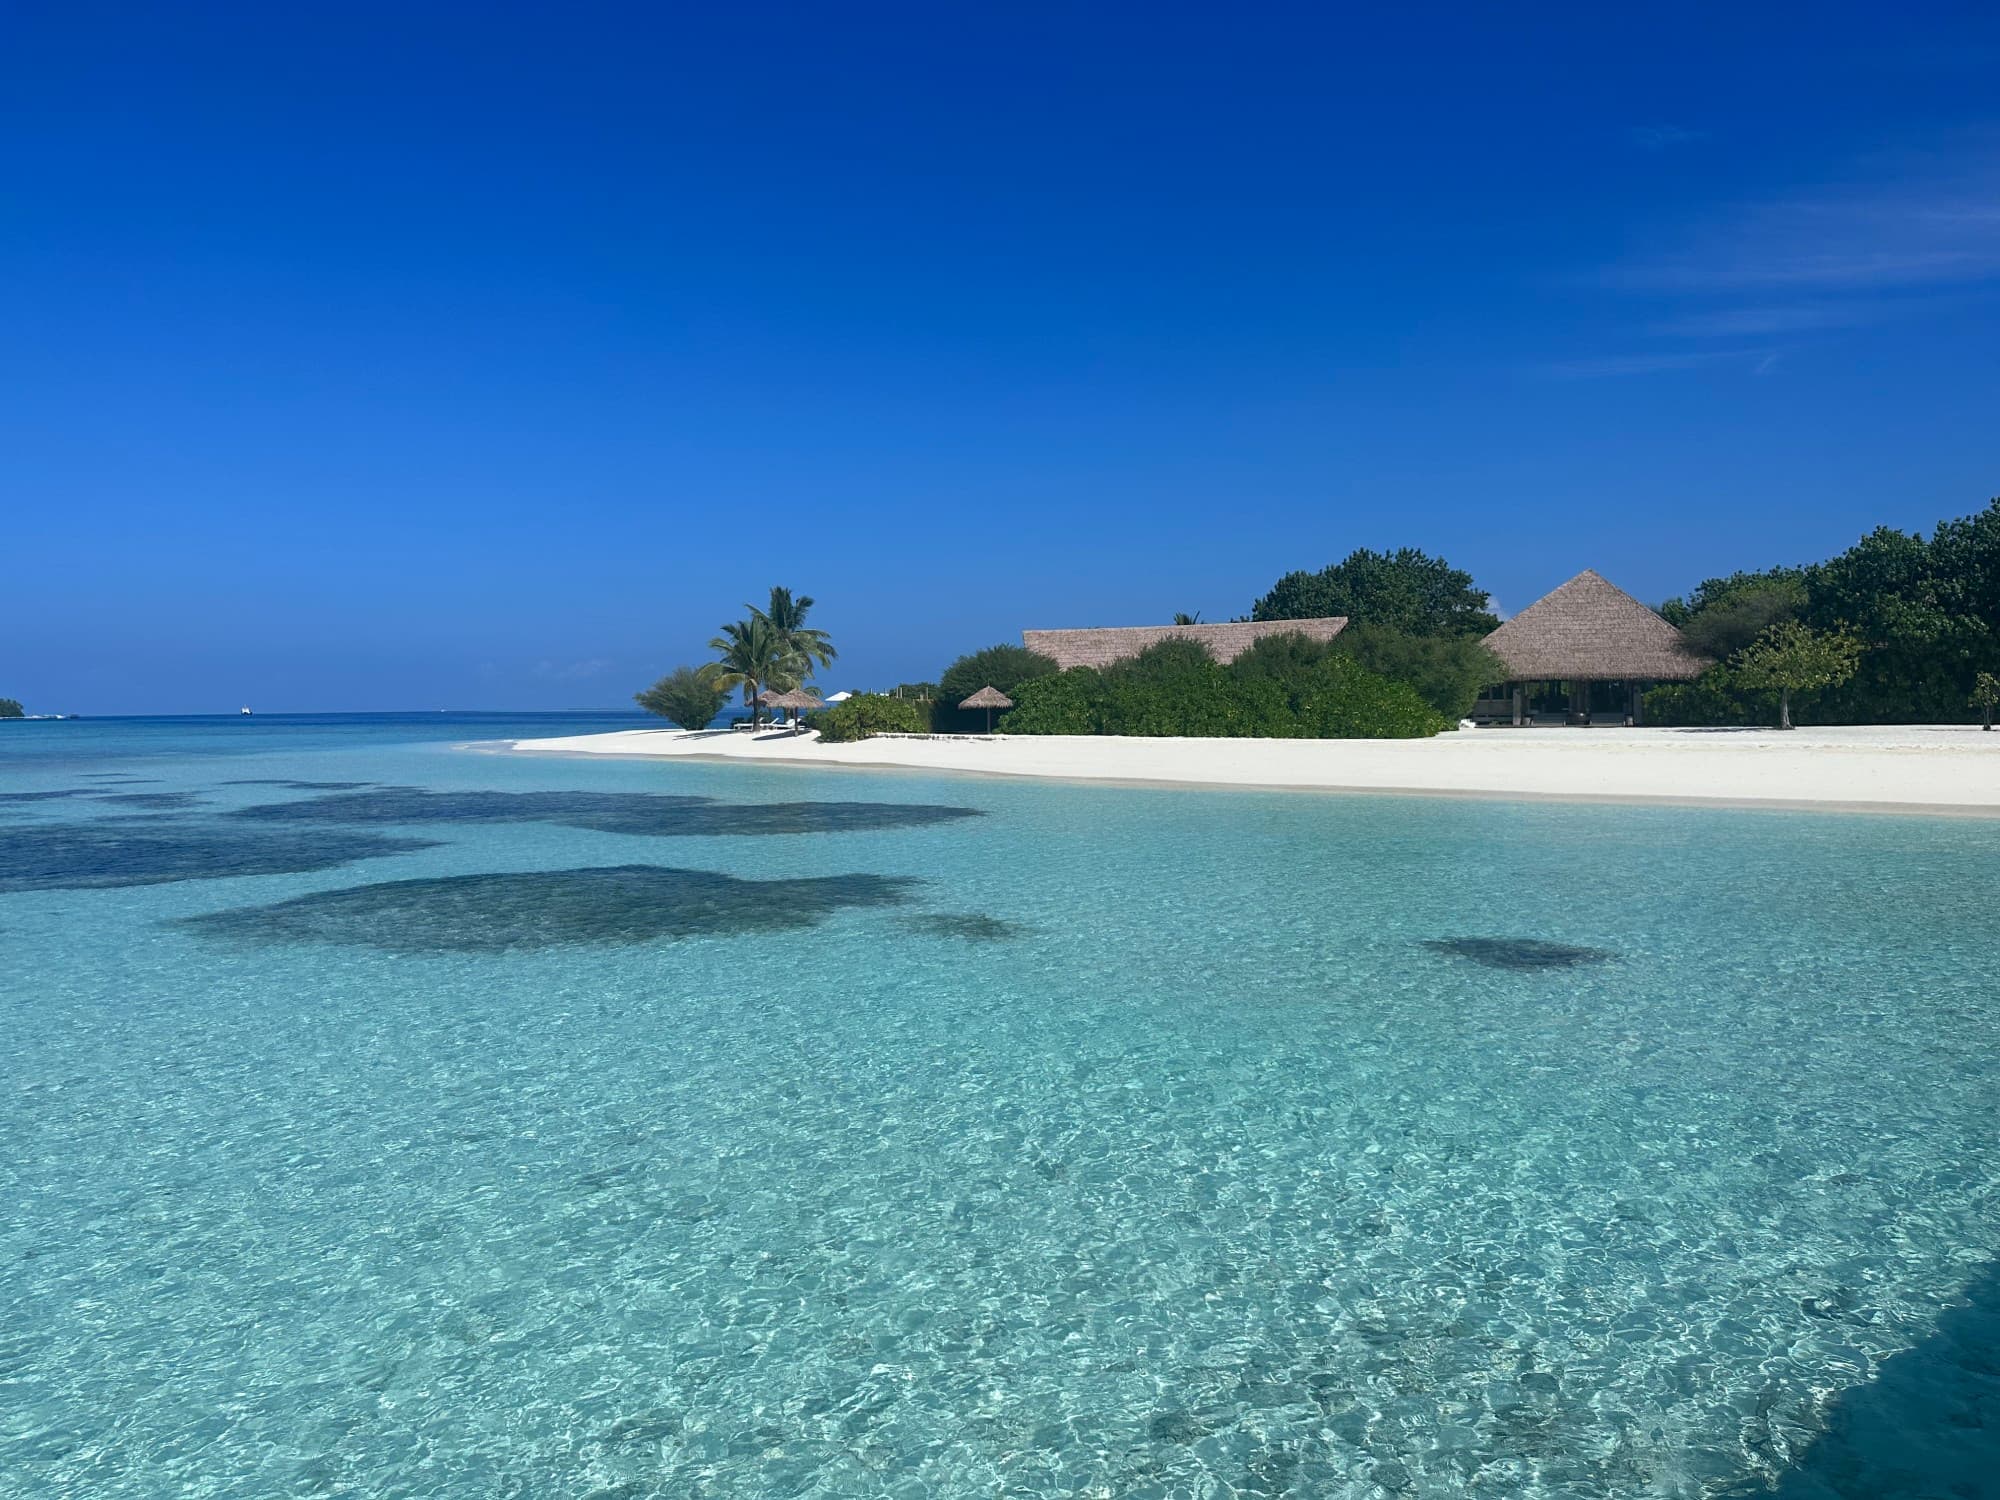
column 425, row 356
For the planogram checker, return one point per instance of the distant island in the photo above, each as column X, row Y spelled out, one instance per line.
column 10, row 708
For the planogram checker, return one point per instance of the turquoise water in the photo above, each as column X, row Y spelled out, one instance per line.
column 882, row 1135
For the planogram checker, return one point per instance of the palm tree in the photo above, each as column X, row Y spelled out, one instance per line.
column 752, row 655
column 787, row 616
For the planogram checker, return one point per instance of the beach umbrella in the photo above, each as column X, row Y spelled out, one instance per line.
column 988, row 698
column 796, row 700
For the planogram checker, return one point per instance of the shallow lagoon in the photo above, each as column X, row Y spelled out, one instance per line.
column 1112, row 1141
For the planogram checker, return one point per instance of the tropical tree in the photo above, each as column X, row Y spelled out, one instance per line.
column 1986, row 697
column 787, row 617
column 1793, row 658
column 1407, row 590
column 690, row 696
column 1726, row 614
column 752, row 655
column 1004, row 666
column 11, row 709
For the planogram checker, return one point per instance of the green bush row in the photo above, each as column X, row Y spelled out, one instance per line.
column 1284, row 687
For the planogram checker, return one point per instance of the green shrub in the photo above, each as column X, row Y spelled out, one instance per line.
column 1714, row 699
column 1280, row 691
column 1281, row 657
column 688, row 696
column 870, row 713
column 1342, row 700
column 1066, row 703
column 1446, row 671
column 1003, row 667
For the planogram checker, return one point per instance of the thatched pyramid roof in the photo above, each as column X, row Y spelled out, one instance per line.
column 1592, row 629
column 988, row 697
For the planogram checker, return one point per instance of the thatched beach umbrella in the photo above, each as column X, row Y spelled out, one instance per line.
column 988, row 698
column 796, row 700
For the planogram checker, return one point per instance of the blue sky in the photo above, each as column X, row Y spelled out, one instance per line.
column 426, row 356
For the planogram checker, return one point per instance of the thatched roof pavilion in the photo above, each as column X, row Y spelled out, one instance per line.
column 1587, row 631
column 1100, row 648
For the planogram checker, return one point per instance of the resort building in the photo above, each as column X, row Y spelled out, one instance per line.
column 1100, row 648
column 1585, row 653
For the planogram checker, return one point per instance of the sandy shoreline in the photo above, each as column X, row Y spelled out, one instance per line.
column 1950, row 769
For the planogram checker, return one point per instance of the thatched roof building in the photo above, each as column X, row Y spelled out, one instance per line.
column 1590, row 630
column 1100, row 648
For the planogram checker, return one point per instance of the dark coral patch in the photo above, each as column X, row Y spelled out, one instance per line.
column 158, row 801
column 647, row 813
column 297, row 787
column 408, row 804
column 1520, row 954
column 618, row 904
column 118, row 852
column 971, row 927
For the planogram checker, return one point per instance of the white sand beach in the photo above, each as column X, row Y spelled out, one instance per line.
column 1944, row 768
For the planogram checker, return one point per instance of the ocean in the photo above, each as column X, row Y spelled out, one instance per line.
column 389, row 1118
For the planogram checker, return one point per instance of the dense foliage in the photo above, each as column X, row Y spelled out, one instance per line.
column 1726, row 614
column 1282, row 688
column 1793, row 658
column 1986, row 697
column 11, row 709
column 1447, row 671
column 1004, row 667
column 870, row 713
column 1926, row 613
column 1405, row 590
column 689, row 696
